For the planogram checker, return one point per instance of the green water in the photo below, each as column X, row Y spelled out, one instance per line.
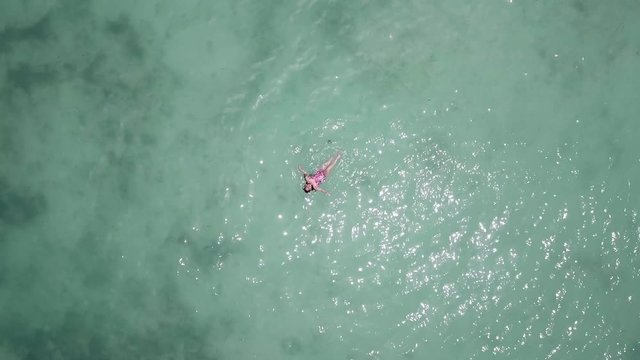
column 486, row 206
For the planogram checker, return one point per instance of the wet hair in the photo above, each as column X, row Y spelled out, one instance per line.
column 305, row 189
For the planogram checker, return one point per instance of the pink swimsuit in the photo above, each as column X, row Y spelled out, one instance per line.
column 319, row 177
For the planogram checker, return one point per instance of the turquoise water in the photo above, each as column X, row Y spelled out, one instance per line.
column 486, row 206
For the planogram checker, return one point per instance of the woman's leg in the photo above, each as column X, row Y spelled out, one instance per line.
column 328, row 166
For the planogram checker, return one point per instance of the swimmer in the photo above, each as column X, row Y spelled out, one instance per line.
column 313, row 181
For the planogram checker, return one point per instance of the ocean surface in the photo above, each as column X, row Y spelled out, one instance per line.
column 486, row 205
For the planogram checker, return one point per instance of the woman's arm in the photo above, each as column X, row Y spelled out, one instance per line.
column 302, row 170
column 321, row 190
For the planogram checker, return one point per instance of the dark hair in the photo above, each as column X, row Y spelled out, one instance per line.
column 305, row 189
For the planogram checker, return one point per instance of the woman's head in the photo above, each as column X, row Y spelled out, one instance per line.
column 307, row 187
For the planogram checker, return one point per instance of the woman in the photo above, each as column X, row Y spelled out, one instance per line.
column 313, row 181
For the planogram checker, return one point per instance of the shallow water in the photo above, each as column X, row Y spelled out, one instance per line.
column 486, row 205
